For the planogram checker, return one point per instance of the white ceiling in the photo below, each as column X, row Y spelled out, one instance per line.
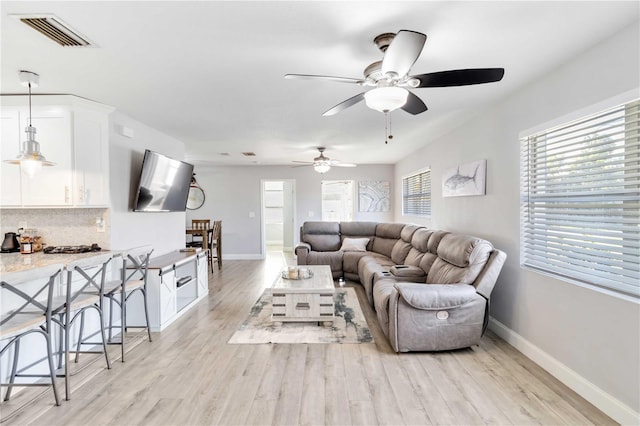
column 210, row 73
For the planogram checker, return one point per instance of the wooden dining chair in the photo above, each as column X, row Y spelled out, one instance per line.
column 201, row 224
column 215, row 243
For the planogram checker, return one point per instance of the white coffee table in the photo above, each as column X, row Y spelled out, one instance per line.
column 309, row 300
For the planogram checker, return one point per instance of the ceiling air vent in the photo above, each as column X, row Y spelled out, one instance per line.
column 55, row 29
column 249, row 154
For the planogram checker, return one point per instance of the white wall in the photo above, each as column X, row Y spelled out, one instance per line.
column 163, row 231
column 233, row 192
column 588, row 339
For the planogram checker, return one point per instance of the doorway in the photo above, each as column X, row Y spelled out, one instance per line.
column 337, row 200
column 278, row 201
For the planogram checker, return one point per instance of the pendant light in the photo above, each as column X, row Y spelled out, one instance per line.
column 30, row 158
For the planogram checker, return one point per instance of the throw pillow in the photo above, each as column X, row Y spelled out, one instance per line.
column 354, row 244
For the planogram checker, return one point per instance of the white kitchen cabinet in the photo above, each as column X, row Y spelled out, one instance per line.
column 51, row 186
column 173, row 287
column 10, row 176
column 73, row 133
column 203, row 274
column 91, row 158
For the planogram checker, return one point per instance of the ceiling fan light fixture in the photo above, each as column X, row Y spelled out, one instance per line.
column 386, row 99
column 322, row 167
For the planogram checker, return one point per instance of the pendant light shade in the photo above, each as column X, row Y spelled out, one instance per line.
column 30, row 158
column 386, row 99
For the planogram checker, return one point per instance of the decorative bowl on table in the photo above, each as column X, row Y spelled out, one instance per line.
column 293, row 273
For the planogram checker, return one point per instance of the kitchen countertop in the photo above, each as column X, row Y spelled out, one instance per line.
column 15, row 262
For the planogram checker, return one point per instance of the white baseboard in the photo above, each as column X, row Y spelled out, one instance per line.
column 605, row 402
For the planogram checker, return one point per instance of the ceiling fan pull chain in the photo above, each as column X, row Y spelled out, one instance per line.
column 387, row 128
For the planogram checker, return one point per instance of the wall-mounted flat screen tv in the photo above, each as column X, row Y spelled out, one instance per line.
column 164, row 184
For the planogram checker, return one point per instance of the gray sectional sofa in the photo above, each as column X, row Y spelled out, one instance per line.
column 430, row 289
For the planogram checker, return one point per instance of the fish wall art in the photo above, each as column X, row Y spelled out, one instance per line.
column 465, row 179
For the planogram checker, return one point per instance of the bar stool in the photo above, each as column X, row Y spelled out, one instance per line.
column 84, row 289
column 31, row 292
column 133, row 280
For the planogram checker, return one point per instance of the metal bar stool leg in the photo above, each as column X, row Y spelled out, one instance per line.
column 80, row 338
column 67, row 339
column 52, row 371
column 146, row 312
column 104, row 339
column 14, row 369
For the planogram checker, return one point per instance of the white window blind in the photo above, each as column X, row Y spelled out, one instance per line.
column 580, row 210
column 416, row 194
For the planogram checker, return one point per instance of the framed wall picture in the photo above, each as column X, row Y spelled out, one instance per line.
column 374, row 196
column 465, row 179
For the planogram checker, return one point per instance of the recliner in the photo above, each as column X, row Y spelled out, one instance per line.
column 430, row 288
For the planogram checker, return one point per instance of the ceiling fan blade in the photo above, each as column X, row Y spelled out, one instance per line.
column 302, row 162
column 345, row 104
column 460, row 77
column 323, row 77
column 403, row 52
column 414, row 105
column 301, row 165
column 344, row 165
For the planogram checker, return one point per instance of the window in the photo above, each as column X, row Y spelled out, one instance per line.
column 337, row 200
column 580, row 207
column 416, row 194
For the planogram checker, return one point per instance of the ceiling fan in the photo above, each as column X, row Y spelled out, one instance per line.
column 322, row 164
column 390, row 77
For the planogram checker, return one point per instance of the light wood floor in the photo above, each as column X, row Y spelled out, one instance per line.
column 189, row 375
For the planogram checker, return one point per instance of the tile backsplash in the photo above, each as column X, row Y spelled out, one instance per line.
column 59, row 227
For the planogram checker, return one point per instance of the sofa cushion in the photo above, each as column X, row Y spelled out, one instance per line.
column 368, row 266
column 426, row 262
column 331, row 258
column 414, row 257
column 387, row 234
column 420, row 239
column 323, row 236
column 350, row 260
column 460, row 259
column 354, row 244
column 358, row 229
column 400, row 251
column 389, row 230
column 407, row 232
column 434, row 241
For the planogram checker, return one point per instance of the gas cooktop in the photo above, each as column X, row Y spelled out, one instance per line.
column 71, row 249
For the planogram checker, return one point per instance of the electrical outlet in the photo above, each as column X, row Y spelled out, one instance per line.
column 100, row 225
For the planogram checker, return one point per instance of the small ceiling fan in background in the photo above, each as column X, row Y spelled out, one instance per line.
column 322, row 164
column 390, row 77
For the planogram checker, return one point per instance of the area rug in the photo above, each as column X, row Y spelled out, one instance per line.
column 349, row 325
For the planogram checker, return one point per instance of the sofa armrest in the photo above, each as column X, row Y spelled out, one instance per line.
column 302, row 251
column 408, row 273
column 436, row 296
column 487, row 279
